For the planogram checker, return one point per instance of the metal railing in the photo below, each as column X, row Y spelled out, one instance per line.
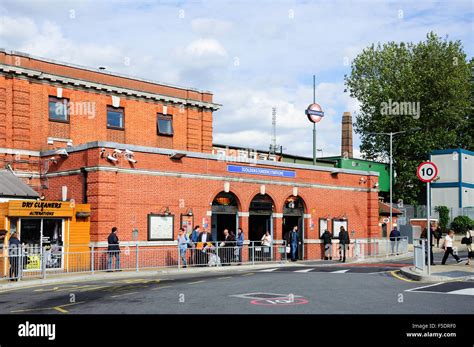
column 419, row 254
column 380, row 247
column 17, row 263
column 40, row 263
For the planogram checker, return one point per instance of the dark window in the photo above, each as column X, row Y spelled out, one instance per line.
column 164, row 124
column 115, row 117
column 58, row 109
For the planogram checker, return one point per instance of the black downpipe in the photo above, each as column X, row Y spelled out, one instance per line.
column 84, row 185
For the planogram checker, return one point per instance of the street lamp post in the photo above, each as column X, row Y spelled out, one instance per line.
column 314, row 114
column 391, row 170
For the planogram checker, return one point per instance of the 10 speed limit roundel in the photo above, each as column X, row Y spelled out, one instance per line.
column 427, row 171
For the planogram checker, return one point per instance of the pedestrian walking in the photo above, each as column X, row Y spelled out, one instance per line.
column 183, row 242
column 448, row 248
column 266, row 243
column 240, row 244
column 292, row 239
column 327, row 242
column 467, row 240
column 344, row 242
column 14, row 255
column 429, row 245
column 113, row 250
column 394, row 240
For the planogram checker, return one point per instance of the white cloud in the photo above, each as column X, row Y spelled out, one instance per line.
column 276, row 53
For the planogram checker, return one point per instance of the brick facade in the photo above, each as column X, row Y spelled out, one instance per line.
column 122, row 194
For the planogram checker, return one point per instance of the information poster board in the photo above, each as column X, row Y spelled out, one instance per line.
column 187, row 223
column 336, row 226
column 323, row 225
column 160, row 227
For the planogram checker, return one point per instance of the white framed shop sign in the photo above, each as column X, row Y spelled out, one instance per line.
column 323, row 225
column 160, row 227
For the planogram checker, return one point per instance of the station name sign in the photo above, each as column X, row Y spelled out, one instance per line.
column 40, row 209
column 263, row 171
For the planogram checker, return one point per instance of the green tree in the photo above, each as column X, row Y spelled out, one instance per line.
column 443, row 212
column 461, row 224
column 433, row 74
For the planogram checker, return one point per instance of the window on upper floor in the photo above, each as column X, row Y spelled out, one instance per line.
column 58, row 109
column 164, row 124
column 115, row 117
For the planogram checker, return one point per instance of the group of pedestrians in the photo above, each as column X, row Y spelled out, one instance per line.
column 344, row 242
column 447, row 245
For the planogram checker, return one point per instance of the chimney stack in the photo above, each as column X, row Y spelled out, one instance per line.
column 346, row 141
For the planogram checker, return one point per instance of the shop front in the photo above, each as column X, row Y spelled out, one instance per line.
column 51, row 233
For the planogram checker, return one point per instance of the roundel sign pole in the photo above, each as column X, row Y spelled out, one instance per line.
column 427, row 172
column 314, row 113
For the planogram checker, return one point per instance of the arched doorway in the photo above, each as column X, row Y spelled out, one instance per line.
column 293, row 214
column 225, row 209
column 260, row 216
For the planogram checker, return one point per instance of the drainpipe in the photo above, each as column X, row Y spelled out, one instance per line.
column 84, row 185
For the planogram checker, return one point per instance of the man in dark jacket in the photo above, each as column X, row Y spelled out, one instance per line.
column 394, row 240
column 327, row 241
column 228, row 247
column 113, row 250
column 343, row 243
column 14, row 253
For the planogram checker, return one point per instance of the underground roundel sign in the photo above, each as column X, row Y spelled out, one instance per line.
column 427, row 171
column 314, row 113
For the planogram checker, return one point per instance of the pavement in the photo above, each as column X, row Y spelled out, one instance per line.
column 452, row 271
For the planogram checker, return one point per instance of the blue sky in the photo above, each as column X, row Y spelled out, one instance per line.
column 252, row 55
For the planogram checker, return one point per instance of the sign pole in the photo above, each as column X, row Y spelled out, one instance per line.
column 428, row 226
column 314, row 124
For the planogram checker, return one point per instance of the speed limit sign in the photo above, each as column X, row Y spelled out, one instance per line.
column 427, row 171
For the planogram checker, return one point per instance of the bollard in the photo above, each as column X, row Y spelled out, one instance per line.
column 43, row 264
column 136, row 258
column 92, row 259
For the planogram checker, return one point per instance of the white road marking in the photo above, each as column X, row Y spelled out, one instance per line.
column 467, row 291
column 269, row 270
column 431, row 285
column 304, row 270
column 339, row 271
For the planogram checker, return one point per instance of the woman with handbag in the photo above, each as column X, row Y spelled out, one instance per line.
column 467, row 240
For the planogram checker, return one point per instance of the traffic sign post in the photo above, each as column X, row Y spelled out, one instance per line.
column 427, row 172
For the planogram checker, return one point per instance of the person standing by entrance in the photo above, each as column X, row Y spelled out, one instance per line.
column 14, row 253
column 240, row 244
column 327, row 242
column 448, row 248
column 183, row 242
column 113, row 250
column 344, row 242
column 194, row 239
column 266, row 243
column 204, row 243
column 227, row 247
column 293, row 241
column 394, row 240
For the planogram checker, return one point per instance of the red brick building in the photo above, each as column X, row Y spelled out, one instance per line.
column 136, row 149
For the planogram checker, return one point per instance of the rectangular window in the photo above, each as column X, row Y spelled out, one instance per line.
column 115, row 117
column 58, row 109
column 164, row 124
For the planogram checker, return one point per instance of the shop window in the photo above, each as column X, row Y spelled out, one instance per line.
column 115, row 117
column 164, row 124
column 58, row 109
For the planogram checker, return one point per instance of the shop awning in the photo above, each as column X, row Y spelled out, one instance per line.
column 13, row 187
